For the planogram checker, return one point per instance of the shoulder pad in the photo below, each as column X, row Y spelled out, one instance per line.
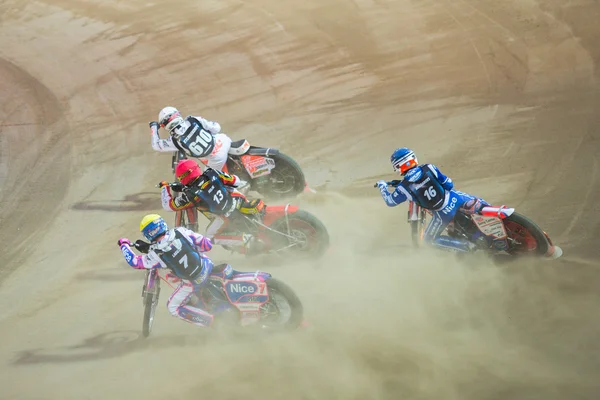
column 414, row 174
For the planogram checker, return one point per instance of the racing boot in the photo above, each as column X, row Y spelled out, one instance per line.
column 454, row 244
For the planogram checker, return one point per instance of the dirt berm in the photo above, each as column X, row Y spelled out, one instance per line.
column 502, row 95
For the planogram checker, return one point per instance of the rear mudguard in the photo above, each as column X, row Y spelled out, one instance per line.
column 273, row 213
column 261, row 151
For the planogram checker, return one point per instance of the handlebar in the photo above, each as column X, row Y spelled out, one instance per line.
column 141, row 245
column 176, row 186
column 393, row 183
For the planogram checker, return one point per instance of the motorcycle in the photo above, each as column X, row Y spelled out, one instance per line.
column 495, row 229
column 283, row 229
column 271, row 173
column 235, row 298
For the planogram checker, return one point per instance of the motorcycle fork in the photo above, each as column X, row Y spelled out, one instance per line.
column 415, row 213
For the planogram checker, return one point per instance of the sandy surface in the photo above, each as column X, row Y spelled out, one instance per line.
column 503, row 96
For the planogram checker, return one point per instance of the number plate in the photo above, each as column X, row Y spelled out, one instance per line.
column 258, row 165
column 490, row 226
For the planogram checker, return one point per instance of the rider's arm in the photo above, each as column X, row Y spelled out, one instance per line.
column 398, row 196
column 444, row 180
column 201, row 242
column 211, row 126
column 159, row 144
column 143, row 261
column 229, row 180
column 174, row 203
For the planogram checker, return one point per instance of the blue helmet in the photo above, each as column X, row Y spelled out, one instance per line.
column 403, row 159
column 153, row 226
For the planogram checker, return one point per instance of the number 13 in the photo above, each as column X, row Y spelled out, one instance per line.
column 218, row 197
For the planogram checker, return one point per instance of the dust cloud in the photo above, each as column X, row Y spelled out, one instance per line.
column 389, row 322
column 502, row 96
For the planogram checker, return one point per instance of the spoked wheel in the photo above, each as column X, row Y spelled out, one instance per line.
column 151, row 293
column 283, row 310
column 286, row 179
column 524, row 236
column 150, row 303
column 304, row 235
column 187, row 218
column 417, row 229
column 177, row 156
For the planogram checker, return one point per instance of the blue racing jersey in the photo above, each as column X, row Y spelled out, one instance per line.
column 424, row 184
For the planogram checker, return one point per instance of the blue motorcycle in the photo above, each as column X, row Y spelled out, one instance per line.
column 502, row 229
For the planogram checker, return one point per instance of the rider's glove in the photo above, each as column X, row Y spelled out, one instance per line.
column 123, row 241
column 154, row 124
column 381, row 183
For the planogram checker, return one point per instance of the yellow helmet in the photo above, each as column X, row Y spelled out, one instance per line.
column 153, row 226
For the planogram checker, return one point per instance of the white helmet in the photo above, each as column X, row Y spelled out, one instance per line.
column 170, row 118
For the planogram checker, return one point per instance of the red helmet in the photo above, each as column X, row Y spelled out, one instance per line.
column 187, row 171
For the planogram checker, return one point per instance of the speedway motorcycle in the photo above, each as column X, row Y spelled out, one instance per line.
column 283, row 230
column 237, row 299
column 271, row 173
column 495, row 229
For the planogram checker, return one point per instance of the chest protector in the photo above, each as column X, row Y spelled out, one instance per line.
column 425, row 188
column 182, row 258
column 211, row 193
column 195, row 141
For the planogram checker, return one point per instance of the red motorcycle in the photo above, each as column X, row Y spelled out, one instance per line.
column 269, row 172
column 284, row 229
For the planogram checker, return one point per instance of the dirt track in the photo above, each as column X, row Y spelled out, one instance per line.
column 503, row 96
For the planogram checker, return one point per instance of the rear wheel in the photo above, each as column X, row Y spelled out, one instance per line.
column 286, row 180
column 524, row 236
column 308, row 237
column 284, row 309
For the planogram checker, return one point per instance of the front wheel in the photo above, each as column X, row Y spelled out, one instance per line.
column 524, row 236
column 187, row 219
column 416, row 218
column 303, row 235
column 284, row 309
column 151, row 293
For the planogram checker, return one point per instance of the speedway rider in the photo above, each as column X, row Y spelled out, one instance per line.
column 432, row 190
column 195, row 136
column 214, row 192
column 180, row 250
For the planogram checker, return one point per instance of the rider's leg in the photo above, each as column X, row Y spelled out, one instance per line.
column 216, row 231
column 433, row 235
column 178, row 308
column 439, row 222
column 218, row 158
column 473, row 205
